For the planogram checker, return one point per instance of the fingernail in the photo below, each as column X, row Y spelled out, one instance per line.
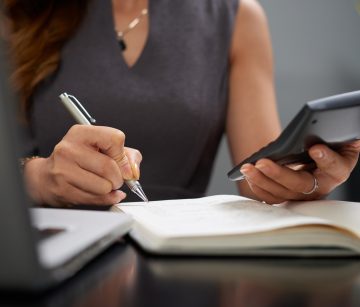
column 135, row 170
column 121, row 195
column 355, row 145
column 318, row 154
column 262, row 167
column 245, row 169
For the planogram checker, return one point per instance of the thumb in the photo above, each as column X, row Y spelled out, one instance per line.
column 135, row 158
column 124, row 164
column 116, row 151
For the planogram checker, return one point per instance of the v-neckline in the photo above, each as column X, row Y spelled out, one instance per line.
column 116, row 42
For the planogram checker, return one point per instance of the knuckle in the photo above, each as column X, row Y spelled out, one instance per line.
column 107, row 167
column 74, row 130
column 58, row 176
column 138, row 155
column 331, row 162
column 105, row 187
column 118, row 137
column 62, row 149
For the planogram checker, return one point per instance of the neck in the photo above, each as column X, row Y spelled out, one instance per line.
column 129, row 6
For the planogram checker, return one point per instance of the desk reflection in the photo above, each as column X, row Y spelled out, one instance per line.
column 105, row 281
column 125, row 276
column 234, row 281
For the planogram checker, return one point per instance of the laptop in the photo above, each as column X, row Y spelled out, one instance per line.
column 41, row 247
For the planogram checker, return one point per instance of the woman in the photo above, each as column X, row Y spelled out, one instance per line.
column 173, row 76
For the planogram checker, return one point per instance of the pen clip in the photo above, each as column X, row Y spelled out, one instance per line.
column 81, row 108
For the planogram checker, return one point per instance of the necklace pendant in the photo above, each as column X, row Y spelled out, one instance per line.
column 120, row 34
column 122, row 44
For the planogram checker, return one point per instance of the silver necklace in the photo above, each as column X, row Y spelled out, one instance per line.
column 121, row 34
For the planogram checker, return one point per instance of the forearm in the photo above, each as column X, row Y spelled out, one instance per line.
column 252, row 118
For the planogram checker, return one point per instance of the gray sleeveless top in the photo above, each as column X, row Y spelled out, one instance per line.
column 171, row 104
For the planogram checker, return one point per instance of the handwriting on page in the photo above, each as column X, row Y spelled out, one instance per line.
column 215, row 215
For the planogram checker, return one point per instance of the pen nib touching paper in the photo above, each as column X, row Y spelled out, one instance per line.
column 139, row 192
column 137, row 189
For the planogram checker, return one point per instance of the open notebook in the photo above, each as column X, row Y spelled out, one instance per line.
column 234, row 225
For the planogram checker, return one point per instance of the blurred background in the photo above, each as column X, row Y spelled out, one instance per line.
column 316, row 47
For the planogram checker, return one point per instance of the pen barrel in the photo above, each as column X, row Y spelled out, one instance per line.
column 79, row 117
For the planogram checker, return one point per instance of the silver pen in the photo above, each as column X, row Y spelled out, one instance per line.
column 83, row 117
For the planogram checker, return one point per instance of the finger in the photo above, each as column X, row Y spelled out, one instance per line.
column 297, row 181
column 108, row 140
column 135, row 159
column 337, row 166
column 257, row 177
column 354, row 145
column 136, row 170
column 263, row 195
column 70, row 195
column 89, row 182
column 134, row 155
column 302, row 167
column 89, row 160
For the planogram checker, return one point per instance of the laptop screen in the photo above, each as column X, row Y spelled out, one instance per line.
column 18, row 255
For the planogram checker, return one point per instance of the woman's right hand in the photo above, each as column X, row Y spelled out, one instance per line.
column 88, row 166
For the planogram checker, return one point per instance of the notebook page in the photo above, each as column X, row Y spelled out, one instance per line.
column 340, row 213
column 213, row 215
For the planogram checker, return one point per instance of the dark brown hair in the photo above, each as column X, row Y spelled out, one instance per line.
column 37, row 30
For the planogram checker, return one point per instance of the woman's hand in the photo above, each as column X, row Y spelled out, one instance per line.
column 273, row 183
column 88, row 166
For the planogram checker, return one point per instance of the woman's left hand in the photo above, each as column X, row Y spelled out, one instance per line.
column 273, row 183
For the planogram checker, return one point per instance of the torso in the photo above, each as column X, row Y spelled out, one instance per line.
column 171, row 103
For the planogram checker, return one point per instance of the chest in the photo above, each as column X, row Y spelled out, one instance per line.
column 173, row 96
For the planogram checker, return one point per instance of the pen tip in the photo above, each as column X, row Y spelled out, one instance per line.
column 144, row 198
column 139, row 192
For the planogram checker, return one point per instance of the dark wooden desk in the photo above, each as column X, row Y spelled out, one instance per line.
column 125, row 276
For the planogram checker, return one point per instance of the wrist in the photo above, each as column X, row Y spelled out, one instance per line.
column 32, row 170
column 24, row 161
